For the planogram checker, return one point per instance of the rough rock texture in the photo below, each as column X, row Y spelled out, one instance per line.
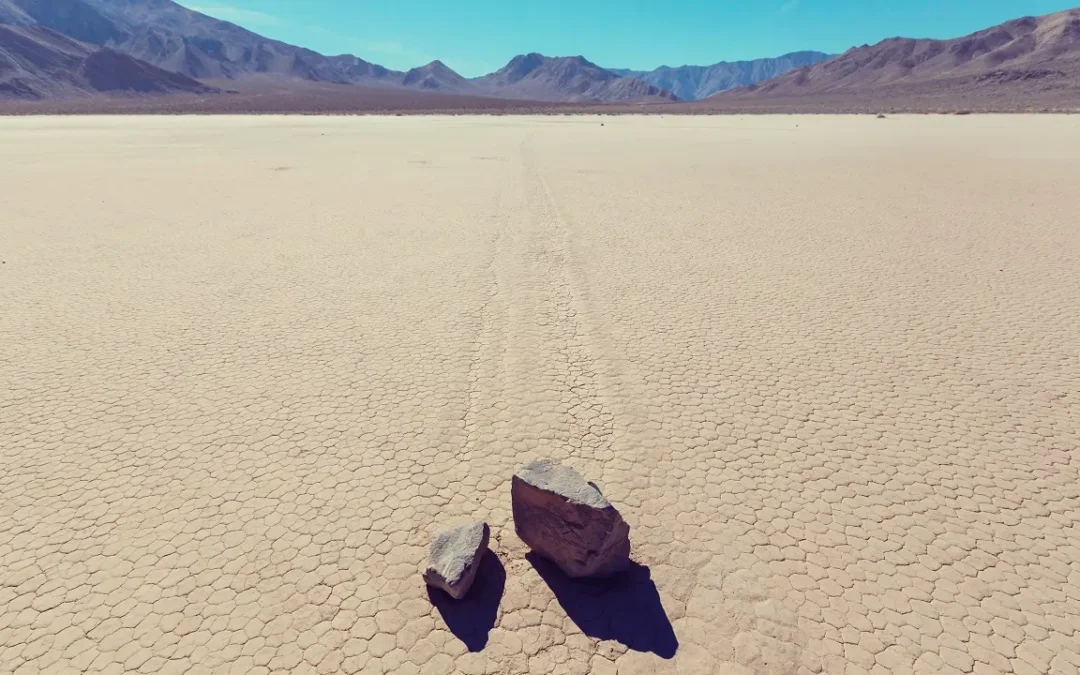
column 455, row 558
column 566, row 519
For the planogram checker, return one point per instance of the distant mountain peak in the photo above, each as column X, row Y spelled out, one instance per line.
column 523, row 64
column 436, row 75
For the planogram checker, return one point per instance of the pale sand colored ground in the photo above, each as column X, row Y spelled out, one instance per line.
column 828, row 367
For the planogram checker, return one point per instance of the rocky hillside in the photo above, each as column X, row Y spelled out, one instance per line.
column 39, row 63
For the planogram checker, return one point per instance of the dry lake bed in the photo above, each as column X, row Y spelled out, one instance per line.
column 828, row 368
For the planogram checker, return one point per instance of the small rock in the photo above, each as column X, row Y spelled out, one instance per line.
column 455, row 558
column 567, row 520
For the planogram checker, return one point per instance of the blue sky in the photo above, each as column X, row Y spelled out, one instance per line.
column 477, row 36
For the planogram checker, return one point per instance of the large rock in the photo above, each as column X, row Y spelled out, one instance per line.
column 566, row 519
column 455, row 558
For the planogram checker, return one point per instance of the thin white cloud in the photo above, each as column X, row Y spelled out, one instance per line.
column 788, row 7
column 239, row 15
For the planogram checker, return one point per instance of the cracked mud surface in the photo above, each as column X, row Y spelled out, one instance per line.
column 827, row 368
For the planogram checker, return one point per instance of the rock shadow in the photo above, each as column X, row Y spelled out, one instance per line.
column 473, row 617
column 626, row 607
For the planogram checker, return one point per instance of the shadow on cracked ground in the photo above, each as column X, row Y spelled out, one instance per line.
column 625, row 607
column 472, row 618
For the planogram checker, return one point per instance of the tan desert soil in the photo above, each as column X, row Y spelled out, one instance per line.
column 827, row 368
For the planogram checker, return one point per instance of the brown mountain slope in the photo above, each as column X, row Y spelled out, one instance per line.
column 572, row 78
column 36, row 63
column 1029, row 57
column 175, row 38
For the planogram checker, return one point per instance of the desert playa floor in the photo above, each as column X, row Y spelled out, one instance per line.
column 827, row 367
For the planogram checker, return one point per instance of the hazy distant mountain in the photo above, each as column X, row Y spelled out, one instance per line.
column 1032, row 56
column 570, row 78
column 691, row 83
column 37, row 63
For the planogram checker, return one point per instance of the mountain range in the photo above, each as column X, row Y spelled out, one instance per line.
column 174, row 38
column 52, row 49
